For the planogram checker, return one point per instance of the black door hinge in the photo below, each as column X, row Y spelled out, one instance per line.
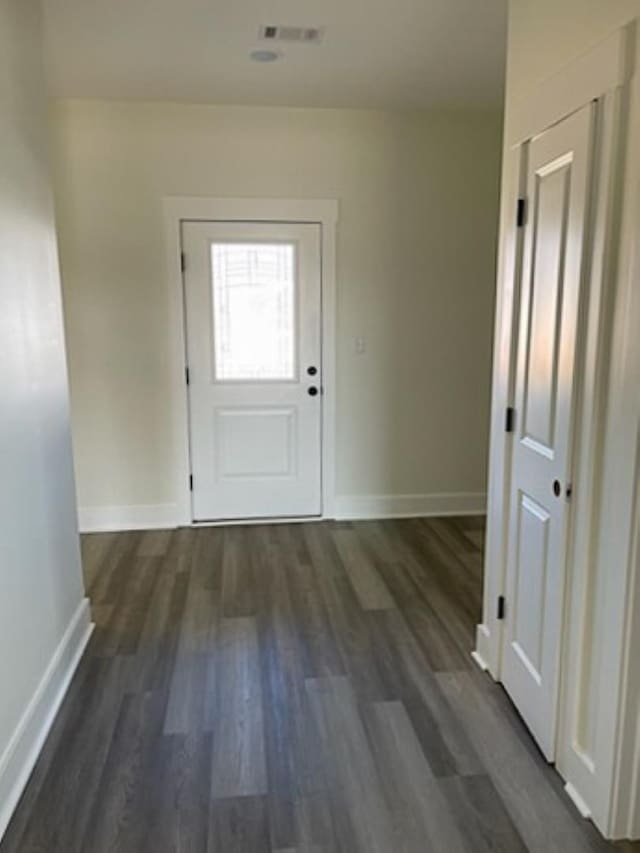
column 186, row 375
column 183, row 261
column 501, row 607
column 510, row 419
column 190, row 482
column 522, row 212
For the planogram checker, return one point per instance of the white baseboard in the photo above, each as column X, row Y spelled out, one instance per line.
column 156, row 516
column 578, row 802
column 634, row 831
column 483, row 653
column 21, row 754
column 348, row 507
column 106, row 519
column 479, row 661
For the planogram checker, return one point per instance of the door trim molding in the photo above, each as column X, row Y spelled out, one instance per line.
column 603, row 775
column 587, row 78
column 323, row 212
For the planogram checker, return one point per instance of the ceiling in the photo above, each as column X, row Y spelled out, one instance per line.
column 375, row 53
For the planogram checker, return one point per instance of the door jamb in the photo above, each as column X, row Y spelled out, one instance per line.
column 322, row 212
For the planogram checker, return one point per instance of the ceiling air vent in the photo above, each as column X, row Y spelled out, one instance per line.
column 308, row 35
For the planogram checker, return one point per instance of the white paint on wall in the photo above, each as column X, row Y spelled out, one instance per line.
column 43, row 618
column 415, row 279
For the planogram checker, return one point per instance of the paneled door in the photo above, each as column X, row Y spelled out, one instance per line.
column 558, row 183
column 253, row 331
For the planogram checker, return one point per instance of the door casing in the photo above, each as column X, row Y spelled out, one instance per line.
column 322, row 212
column 605, row 521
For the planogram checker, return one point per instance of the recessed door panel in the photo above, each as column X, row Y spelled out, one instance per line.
column 253, row 316
column 241, row 434
column 558, row 183
column 532, row 555
column 552, row 185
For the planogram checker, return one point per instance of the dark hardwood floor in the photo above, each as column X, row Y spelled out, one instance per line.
column 291, row 688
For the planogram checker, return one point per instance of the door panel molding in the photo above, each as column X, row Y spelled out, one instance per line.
column 322, row 212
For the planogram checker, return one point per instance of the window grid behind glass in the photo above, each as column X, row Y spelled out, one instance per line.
column 254, row 311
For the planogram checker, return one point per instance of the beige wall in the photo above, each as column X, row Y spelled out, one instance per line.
column 418, row 204
column 40, row 579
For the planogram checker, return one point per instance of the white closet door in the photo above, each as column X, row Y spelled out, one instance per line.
column 558, row 183
column 253, row 303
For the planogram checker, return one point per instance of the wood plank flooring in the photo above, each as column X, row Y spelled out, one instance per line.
column 291, row 689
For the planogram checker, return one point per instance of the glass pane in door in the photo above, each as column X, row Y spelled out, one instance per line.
column 254, row 311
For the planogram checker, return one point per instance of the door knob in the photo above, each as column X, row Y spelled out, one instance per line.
column 312, row 391
column 557, row 488
column 312, row 370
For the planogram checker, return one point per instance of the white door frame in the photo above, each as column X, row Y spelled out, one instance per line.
column 323, row 212
column 603, row 569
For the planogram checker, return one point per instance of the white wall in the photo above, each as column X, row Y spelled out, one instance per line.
column 416, row 244
column 41, row 593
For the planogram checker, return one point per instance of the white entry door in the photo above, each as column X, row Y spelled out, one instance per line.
column 253, row 328
column 558, row 182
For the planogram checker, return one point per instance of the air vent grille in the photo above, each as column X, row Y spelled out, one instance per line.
column 308, row 35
